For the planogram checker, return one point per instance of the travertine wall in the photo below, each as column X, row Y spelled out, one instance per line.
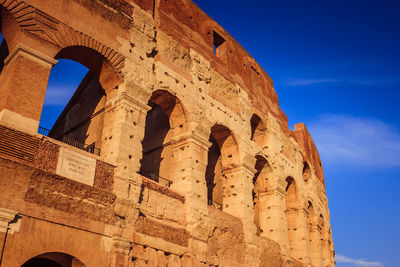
column 256, row 198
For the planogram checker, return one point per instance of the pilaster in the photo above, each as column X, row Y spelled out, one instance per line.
column 273, row 223
column 189, row 152
column 316, row 246
column 23, row 84
column 123, row 132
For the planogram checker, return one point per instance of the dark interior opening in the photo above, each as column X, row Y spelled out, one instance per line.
column 261, row 163
column 153, row 144
column 214, row 157
column 38, row 262
column 53, row 259
column 306, row 172
column 218, row 40
column 4, row 52
column 254, row 122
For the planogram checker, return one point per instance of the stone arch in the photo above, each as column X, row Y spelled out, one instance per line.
column 53, row 259
column 306, row 172
column 58, row 33
column 260, row 179
column 4, row 51
column 222, row 155
column 291, row 194
column 94, row 61
column 258, row 130
column 81, row 122
column 165, row 120
column 293, row 217
column 310, row 218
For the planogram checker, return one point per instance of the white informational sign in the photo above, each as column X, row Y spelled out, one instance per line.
column 76, row 166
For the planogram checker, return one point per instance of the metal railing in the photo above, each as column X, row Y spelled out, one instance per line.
column 72, row 142
column 156, row 178
column 43, row 131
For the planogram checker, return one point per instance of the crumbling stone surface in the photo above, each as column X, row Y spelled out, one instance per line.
column 104, row 176
column 226, row 244
column 159, row 230
column 198, row 166
column 46, row 158
column 270, row 254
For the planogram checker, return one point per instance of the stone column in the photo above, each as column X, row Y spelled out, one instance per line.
column 299, row 247
column 315, row 244
column 23, row 84
column 124, row 124
column 326, row 250
column 273, row 217
column 189, row 154
column 238, row 201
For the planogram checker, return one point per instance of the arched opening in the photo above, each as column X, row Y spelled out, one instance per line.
column 53, row 259
column 222, row 154
column 258, row 130
column 165, row 119
column 4, row 51
column 79, row 121
column 291, row 211
column 306, row 172
column 260, row 178
column 310, row 219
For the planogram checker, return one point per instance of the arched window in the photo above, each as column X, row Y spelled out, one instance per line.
column 260, row 178
column 258, row 130
column 53, row 259
column 79, row 121
column 222, row 154
column 4, row 52
column 292, row 217
column 165, row 119
column 306, row 172
column 310, row 219
column 291, row 194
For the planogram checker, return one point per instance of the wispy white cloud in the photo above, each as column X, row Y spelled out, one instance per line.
column 358, row 81
column 357, row 262
column 353, row 141
column 58, row 95
column 305, row 82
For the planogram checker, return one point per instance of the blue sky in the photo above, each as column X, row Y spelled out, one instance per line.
column 336, row 67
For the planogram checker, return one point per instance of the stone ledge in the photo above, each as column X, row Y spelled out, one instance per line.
column 162, row 189
column 155, row 229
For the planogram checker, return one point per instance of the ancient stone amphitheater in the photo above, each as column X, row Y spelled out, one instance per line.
column 173, row 151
